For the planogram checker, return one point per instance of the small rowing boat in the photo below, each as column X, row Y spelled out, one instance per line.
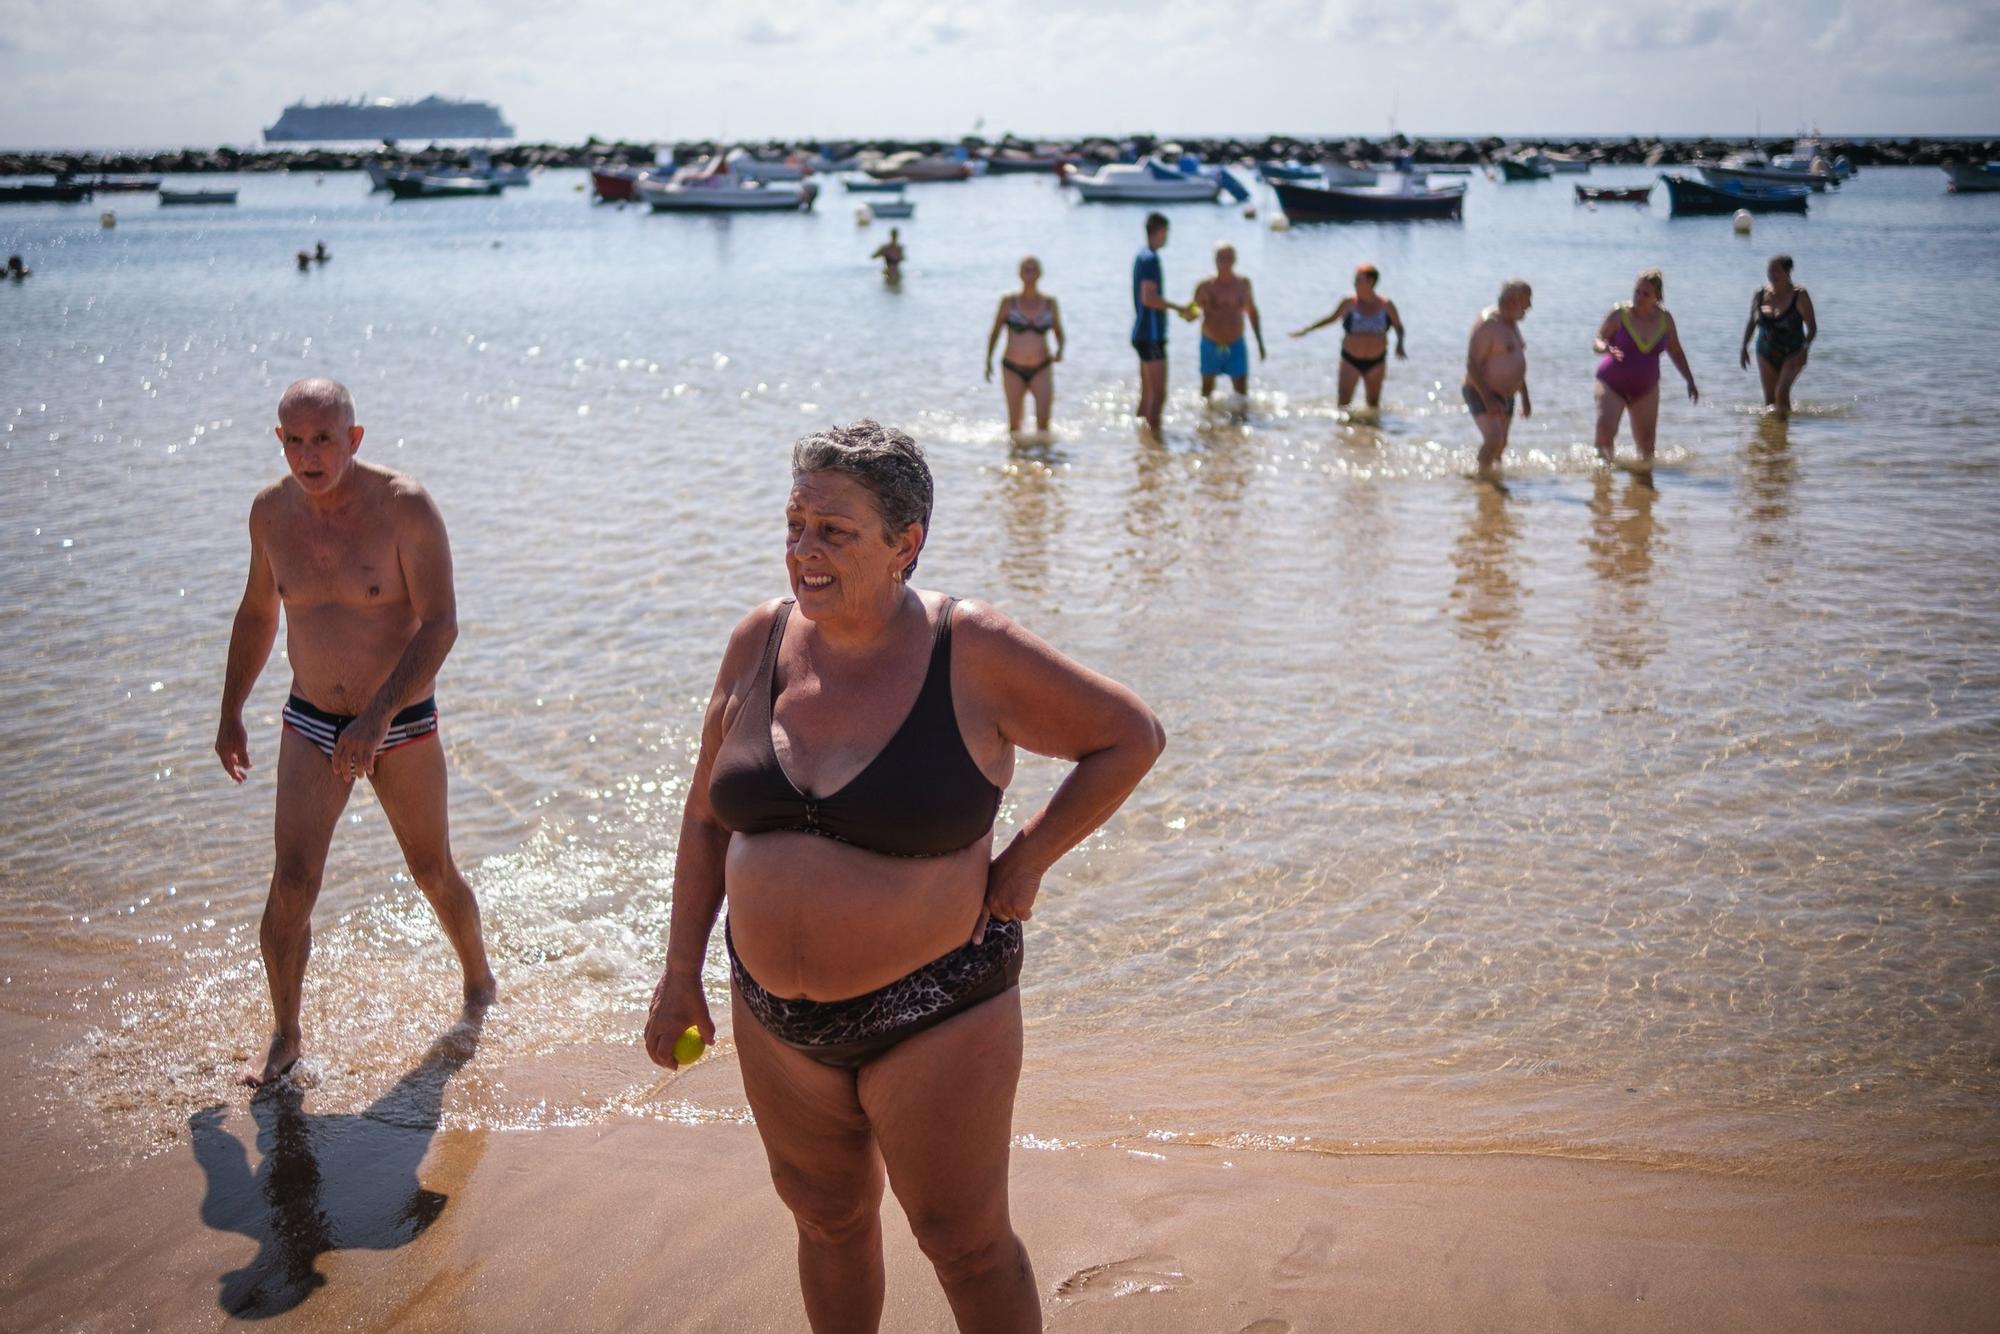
column 1604, row 194
column 197, row 197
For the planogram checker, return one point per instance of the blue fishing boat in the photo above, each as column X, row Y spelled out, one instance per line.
column 1686, row 196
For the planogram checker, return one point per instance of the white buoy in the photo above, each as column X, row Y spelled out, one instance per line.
column 1741, row 222
column 863, row 215
column 1249, row 210
column 1281, row 223
column 107, row 219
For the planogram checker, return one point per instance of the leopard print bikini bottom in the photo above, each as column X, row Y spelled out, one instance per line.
column 850, row 1033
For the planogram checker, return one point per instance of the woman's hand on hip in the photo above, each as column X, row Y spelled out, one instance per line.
column 1010, row 895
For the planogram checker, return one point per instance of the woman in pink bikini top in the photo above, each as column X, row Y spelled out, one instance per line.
column 1632, row 338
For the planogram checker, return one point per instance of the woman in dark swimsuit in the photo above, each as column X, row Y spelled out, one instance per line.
column 1366, row 318
column 1781, row 316
column 852, row 759
column 1030, row 318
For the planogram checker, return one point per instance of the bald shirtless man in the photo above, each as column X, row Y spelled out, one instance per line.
column 1226, row 303
column 1496, row 368
column 357, row 558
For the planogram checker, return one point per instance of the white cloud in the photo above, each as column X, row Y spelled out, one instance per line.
column 89, row 71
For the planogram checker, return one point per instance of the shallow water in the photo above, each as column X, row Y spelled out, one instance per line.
column 1589, row 815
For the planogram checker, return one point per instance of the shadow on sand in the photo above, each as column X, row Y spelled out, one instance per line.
column 326, row 1182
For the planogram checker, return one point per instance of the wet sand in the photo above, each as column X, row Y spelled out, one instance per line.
column 272, row 1211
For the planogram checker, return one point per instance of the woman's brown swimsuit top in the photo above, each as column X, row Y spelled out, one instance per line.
column 921, row 796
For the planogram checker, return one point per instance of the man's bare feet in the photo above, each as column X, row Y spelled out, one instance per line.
column 479, row 997
column 277, row 1063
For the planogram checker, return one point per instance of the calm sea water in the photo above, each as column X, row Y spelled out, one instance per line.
column 1584, row 816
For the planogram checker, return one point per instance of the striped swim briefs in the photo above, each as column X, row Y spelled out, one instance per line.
column 323, row 729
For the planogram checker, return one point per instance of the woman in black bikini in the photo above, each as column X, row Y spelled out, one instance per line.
column 852, row 760
column 1781, row 316
column 1030, row 318
column 1366, row 317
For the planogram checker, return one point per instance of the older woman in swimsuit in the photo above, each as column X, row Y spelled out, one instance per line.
column 1366, row 316
column 1030, row 318
column 1628, row 379
column 852, row 760
column 1782, row 318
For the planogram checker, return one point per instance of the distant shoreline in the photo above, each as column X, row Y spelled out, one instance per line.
column 1613, row 151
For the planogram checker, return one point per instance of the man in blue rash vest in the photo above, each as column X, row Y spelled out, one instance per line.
column 1149, row 323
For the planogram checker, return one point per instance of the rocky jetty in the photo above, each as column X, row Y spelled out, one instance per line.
column 595, row 152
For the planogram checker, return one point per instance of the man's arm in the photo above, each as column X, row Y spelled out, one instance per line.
column 424, row 552
column 250, row 640
column 1475, row 357
column 1256, row 320
column 1150, row 298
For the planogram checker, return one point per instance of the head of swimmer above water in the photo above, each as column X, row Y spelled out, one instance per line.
column 856, row 520
column 316, row 427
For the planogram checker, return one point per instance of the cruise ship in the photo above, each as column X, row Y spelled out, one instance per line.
column 385, row 118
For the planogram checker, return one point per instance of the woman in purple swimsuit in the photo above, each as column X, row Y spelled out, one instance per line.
column 1628, row 379
column 852, row 762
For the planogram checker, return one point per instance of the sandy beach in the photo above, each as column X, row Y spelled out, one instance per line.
column 273, row 1212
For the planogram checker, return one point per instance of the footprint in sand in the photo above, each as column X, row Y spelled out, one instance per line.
column 1123, row 1278
column 1311, row 1256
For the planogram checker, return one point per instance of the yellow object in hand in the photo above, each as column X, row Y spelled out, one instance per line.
column 688, row 1047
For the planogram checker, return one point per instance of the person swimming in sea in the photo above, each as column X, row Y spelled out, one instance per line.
column 1030, row 318
column 890, row 252
column 16, row 269
column 1631, row 340
column 1366, row 317
column 1783, row 320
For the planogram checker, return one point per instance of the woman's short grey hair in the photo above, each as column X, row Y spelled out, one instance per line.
column 884, row 460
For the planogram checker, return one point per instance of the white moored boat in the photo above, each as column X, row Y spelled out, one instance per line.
column 1148, row 181
column 721, row 188
column 1753, row 168
column 1972, row 178
column 1346, row 176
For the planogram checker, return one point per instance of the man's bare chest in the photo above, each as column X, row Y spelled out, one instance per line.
column 337, row 565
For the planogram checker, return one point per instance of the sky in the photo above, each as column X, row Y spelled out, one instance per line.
column 86, row 73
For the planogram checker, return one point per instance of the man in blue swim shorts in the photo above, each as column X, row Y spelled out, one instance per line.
column 1226, row 305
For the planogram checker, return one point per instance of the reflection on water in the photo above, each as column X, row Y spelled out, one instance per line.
column 1030, row 503
column 1627, row 629
column 1773, row 472
column 324, row 1182
column 1487, row 591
